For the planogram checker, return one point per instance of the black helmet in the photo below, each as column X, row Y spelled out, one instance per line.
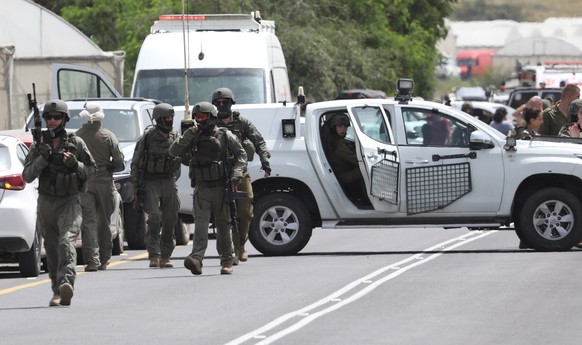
column 223, row 109
column 161, row 111
column 206, row 108
column 56, row 106
column 339, row 119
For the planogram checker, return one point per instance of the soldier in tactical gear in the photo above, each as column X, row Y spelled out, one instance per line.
column 252, row 141
column 155, row 170
column 98, row 201
column 210, row 151
column 342, row 157
column 62, row 163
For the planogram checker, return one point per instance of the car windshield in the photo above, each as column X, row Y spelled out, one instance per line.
column 122, row 122
column 167, row 85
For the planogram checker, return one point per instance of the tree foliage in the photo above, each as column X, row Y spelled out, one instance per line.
column 329, row 45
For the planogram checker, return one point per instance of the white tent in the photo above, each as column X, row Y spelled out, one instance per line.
column 33, row 38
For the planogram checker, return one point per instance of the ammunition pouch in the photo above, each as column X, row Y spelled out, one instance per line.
column 204, row 172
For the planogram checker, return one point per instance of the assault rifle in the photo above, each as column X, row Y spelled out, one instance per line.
column 230, row 195
column 37, row 130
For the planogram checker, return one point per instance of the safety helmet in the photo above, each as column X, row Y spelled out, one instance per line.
column 339, row 119
column 161, row 111
column 56, row 106
column 224, row 108
column 206, row 108
column 223, row 92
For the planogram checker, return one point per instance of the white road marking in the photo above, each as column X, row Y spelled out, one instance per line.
column 362, row 286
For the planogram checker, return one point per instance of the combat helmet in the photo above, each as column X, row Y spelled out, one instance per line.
column 339, row 119
column 223, row 109
column 206, row 108
column 56, row 106
column 161, row 111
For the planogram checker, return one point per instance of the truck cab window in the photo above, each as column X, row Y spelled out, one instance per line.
column 426, row 128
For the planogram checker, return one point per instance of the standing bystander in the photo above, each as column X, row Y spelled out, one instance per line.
column 556, row 116
column 98, row 201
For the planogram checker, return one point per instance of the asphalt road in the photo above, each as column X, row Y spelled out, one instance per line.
column 397, row 286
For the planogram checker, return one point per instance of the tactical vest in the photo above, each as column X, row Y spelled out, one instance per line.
column 158, row 161
column 206, row 166
column 57, row 179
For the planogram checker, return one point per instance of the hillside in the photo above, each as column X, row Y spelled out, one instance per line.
column 519, row 10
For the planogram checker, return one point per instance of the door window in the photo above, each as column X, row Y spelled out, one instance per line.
column 427, row 127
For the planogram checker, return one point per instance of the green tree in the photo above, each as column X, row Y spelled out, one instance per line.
column 329, row 45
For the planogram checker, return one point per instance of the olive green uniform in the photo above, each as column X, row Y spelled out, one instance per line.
column 207, row 153
column 59, row 205
column 252, row 141
column 155, row 169
column 554, row 120
column 99, row 201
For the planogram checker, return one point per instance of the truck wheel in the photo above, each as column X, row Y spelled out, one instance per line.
column 182, row 233
column 29, row 262
column 281, row 225
column 551, row 220
column 134, row 224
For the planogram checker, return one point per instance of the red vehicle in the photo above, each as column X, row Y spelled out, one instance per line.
column 474, row 63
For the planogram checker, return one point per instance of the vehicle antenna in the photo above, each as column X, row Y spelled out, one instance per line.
column 187, row 115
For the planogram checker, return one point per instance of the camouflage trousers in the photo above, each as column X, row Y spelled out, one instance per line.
column 60, row 223
column 244, row 209
column 161, row 204
column 210, row 201
column 98, row 205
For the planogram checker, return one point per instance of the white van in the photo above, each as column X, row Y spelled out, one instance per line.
column 237, row 51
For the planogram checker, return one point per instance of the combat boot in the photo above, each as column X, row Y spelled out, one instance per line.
column 55, row 301
column 193, row 264
column 91, row 267
column 103, row 267
column 66, row 292
column 243, row 255
column 226, row 269
column 165, row 263
column 155, row 262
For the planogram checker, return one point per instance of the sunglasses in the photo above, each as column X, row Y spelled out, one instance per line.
column 221, row 102
column 53, row 116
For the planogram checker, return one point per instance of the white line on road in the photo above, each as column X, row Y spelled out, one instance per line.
column 366, row 285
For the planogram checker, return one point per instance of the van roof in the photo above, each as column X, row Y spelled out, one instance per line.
column 211, row 22
column 225, row 48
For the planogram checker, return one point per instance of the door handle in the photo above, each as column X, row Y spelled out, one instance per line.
column 417, row 161
column 372, row 155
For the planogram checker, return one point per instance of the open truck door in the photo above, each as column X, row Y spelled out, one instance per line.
column 74, row 81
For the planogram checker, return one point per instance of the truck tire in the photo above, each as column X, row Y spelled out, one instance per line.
column 182, row 233
column 134, row 224
column 29, row 262
column 281, row 225
column 551, row 220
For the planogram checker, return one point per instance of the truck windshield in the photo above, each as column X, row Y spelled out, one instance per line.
column 167, row 85
column 122, row 122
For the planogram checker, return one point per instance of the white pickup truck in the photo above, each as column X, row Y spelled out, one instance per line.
column 461, row 173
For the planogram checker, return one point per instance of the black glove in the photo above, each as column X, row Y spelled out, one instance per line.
column 266, row 167
column 44, row 150
column 71, row 162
